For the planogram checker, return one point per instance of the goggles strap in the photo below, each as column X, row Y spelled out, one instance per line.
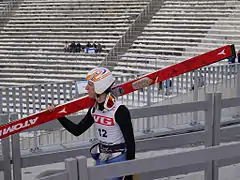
column 110, row 101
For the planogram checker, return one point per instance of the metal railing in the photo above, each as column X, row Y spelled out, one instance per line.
column 31, row 99
column 130, row 31
column 76, row 167
column 208, row 133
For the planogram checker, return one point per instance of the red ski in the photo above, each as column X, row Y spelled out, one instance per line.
column 119, row 90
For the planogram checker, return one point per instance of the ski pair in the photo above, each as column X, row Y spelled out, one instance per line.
column 119, row 90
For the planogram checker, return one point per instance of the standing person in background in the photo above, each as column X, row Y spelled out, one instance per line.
column 160, row 86
column 78, row 47
column 112, row 121
column 99, row 48
column 231, row 60
column 238, row 56
column 66, row 47
column 72, row 47
column 168, row 86
column 88, row 45
column 94, row 45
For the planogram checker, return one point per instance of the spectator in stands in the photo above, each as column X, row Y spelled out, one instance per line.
column 112, row 120
column 99, row 48
column 200, row 82
column 88, row 45
column 73, row 47
column 66, row 47
column 160, row 86
column 78, row 47
column 168, row 86
column 94, row 45
column 238, row 56
column 231, row 60
column 83, row 48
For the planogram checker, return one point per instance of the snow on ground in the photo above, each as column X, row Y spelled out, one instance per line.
column 231, row 172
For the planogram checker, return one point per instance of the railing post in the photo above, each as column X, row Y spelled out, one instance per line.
column 4, row 118
column 148, row 124
column 238, row 80
column 238, row 90
column 216, row 130
column 213, row 132
column 217, row 118
column 82, row 168
column 71, row 168
column 195, row 97
column 209, row 132
column 16, row 154
column 35, row 141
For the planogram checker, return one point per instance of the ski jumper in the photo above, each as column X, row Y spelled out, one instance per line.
column 114, row 131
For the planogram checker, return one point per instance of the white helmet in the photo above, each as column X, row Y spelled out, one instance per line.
column 102, row 79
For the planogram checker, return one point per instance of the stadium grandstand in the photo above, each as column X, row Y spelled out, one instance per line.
column 41, row 63
column 33, row 34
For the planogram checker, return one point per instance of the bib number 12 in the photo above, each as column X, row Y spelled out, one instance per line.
column 102, row 132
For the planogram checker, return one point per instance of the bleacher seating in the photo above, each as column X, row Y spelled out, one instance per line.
column 32, row 41
column 181, row 30
column 3, row 5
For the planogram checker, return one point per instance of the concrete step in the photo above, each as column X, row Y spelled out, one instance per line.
column 53, row 30
column 61, row 37
column 77, row 63
column 49, row 56
column 63, row 33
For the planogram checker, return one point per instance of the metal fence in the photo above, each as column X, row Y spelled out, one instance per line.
column 211, row 133
column 30, row 99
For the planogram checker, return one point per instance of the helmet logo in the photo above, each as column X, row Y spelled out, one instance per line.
column 101, row 78
column 98, row 75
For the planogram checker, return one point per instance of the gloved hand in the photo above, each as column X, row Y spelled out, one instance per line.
column 105, row 156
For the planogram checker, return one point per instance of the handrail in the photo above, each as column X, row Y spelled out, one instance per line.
column 128, row 33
